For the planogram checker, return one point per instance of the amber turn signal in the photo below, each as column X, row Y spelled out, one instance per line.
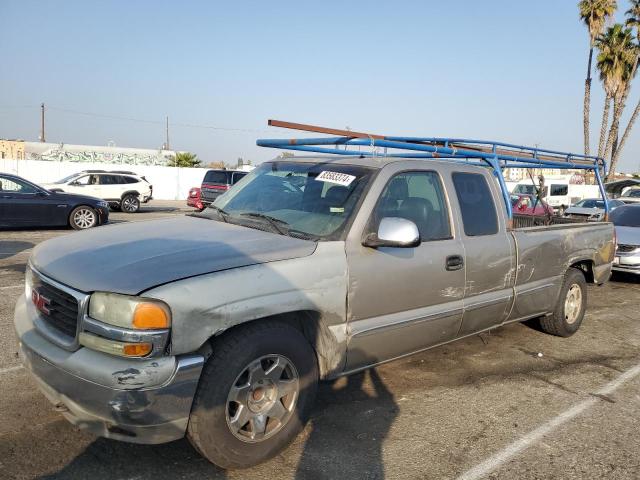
column 149, row 315
column 136, row 349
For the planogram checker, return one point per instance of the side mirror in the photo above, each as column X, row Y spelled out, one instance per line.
column 394, row 232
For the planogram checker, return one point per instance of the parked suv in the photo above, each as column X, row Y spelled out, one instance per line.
column 216, row 182
column 121, row 189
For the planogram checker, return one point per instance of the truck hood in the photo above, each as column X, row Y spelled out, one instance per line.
column 134, row 257
column 628, row 235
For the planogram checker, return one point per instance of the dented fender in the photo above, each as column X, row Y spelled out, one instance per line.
column 207, row 305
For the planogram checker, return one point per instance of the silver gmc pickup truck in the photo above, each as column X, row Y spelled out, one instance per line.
column 219, row 325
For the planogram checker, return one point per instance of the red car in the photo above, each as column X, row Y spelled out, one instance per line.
column 523, row 204
column 193, row 200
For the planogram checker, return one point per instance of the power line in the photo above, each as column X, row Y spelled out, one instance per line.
column 138, row 120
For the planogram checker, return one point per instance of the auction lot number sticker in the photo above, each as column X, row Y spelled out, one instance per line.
column 336, row 177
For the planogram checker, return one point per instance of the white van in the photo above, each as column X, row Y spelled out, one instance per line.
column 558, row 192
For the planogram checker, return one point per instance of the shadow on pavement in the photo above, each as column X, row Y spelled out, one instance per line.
column 351, row 419
column 9, row 248
column 624, row 277
column 108, row 459
column 349, row 426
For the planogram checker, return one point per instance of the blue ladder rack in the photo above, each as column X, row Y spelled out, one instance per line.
column 497, row 155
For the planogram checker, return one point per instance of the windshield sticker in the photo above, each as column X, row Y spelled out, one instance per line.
column 336, row 177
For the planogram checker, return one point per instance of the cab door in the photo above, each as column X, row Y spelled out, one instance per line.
column 402, row 300
column 489, row 251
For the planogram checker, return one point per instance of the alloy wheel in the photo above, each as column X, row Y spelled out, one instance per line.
column 262, row 399
column 129, row 204
column 84, row 218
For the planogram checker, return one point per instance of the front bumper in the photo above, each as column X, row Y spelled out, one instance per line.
column 195, row 203
column 103, row 215
column 626, row 268
column 134, row 400
column 627, row 262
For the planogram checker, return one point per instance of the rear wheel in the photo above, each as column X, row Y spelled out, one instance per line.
column 130, row 203
column 254, row 396
column 83, row 217
column 571, row 306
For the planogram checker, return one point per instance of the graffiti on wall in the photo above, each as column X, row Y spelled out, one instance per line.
column 116, row 158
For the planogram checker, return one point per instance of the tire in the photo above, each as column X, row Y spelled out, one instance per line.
column 571, row 306
column 130, row 203
column 229, row 435
column 83, row 217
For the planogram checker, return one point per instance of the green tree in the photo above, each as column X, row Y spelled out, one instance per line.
column 625, row 51
column 185, row 159
column 633, row 21
column 614, row 62
column 594, row 14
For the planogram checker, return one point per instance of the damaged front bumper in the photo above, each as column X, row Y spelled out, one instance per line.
column 134, row 400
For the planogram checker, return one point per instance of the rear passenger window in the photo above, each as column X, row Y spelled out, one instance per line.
column 108, row 179
column 215, row 176
column 237, row 177
column 559, row 190
column 419, row 197
column 128, row 180
column 476, row 204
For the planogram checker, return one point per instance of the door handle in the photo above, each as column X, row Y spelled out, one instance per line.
column 454, row 262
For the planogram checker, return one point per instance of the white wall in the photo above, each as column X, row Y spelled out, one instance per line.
column 169, row 183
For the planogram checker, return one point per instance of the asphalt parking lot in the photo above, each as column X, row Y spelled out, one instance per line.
column 489, row 406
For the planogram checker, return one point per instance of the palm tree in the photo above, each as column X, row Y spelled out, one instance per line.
column 614, row 62
column 623, row 53
column 185, row 159
column 633, row 21
column 594, row 14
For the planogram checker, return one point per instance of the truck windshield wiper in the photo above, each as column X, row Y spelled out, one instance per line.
column 221, row 213
column 276, row 223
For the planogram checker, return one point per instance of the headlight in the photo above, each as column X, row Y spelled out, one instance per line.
column 103, row 204
column 129, row 312
column 126, row 326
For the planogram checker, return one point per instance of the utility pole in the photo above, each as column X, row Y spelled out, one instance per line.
column 167, row 147
column 42, row 139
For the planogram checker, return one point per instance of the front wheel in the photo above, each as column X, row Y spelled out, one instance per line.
column 254, row 396
column 130, row 203
column 571, row 306
column 83, row 217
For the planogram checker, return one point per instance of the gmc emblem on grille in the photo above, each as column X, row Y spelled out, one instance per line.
column 40, row 301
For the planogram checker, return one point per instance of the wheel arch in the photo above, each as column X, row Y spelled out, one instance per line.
column 586, row 267
column 325, row 345
column 129, row 192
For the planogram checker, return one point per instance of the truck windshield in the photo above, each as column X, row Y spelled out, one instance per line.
column 305, row 200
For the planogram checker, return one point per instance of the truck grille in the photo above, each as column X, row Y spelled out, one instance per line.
column 58, row 309
column 626, row 248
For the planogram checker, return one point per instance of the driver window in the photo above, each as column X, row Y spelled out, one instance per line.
column 84, row 180
column 13, row 186
column 419, row 197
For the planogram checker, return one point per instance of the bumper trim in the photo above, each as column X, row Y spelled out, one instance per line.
column 146, row 415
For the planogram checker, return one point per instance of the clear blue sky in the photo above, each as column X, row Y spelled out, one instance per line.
column 498, row 69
